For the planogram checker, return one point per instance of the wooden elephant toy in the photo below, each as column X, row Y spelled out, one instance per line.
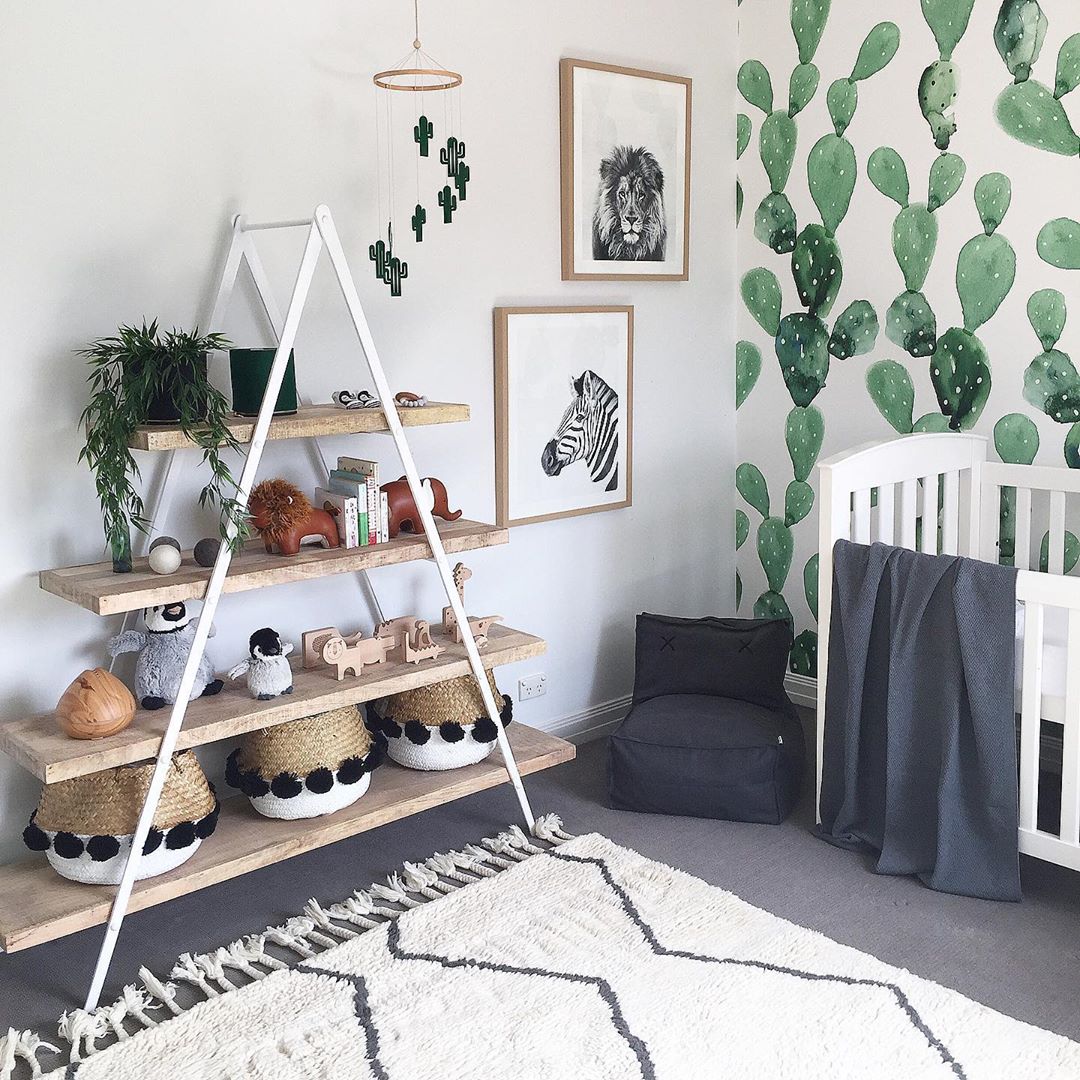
column 404, row 515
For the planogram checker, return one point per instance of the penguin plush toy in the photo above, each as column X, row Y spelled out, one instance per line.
column 267, row 668
column 163, row 651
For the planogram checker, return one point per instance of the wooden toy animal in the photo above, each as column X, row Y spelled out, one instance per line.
column 403, row 512
column 285, row 518
column 352, row 654
column 478, row 625
column 410, row 639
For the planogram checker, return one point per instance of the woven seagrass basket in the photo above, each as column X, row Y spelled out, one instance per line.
column 308, row 767
column 85, row 825
column 444, row 726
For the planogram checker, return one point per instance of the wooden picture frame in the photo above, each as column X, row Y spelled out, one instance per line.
column 612, row 142
column 534, row 395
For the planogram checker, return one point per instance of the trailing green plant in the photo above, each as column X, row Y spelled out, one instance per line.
column 128, row 373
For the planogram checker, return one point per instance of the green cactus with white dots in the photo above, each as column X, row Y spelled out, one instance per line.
column 940, row 83
column 1051, row 381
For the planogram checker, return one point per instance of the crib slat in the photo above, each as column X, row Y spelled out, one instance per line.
column 1056, row 562
column 860, row 525
column 886, row 508
column 950, row 517
column 909, row 496
column 1023, row 529
column 1070, row 762
column 929, row 514
column 990, row 523
column 1030, row 714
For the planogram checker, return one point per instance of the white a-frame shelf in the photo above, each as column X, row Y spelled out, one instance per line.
column 242, row 843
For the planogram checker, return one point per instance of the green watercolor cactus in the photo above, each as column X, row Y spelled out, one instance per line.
column 1047, row 313
column 802, row 87
column 832, row 170
column 855, row 332
column 808, row 19
column 1016, row 439
column 804, row 655
column 742, row 528
column 798, row 502
column 762, row 296
column 775, row 224
column 877, row 51
column 910, row 323
column 946, row 178
column 775, row 546
column 1067, row 77
column 1072, row 552
column 804, row 432
column 1019, row 34
column 810, row 584
column 1051, row 381
column 776, row 143
column 817, row 269
column 422, row 134
column 802, row 348
column 986, row 268
column 755, row 85
column 744, row 128
column 449, row 202
column 772, row 605
column 1072, row 447
column 842, row 100
column 747, row 370
column 751, row 485
column 1059, row 243
column 891, row 390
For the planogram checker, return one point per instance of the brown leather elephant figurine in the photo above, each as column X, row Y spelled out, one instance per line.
column 403, row 513
column 285, row 518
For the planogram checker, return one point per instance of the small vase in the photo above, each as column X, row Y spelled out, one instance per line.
column 121, row 552
column 250, row 372
column 162, row 408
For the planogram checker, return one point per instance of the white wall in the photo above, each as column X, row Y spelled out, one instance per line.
column 132, row 132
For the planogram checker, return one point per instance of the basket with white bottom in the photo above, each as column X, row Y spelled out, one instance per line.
column 444, row 726
column 306, row 768
column 85, row 825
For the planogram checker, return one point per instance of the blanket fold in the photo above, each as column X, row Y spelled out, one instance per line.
column 919, row 763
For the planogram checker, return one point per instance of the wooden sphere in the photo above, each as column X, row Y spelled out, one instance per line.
column 164, row 559
column 95, row 705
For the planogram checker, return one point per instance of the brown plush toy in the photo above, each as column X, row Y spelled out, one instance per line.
column 285, row 518
column 403, row 512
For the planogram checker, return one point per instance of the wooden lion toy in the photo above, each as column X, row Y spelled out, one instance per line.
column 285, row 518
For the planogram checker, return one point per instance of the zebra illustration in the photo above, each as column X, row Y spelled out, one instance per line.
column 589, row 429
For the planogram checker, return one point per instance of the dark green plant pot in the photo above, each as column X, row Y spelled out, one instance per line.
column 250, row 371
column 162, row 409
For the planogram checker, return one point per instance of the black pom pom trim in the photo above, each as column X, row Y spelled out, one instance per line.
column 417, row 733
column 68, row 845
column 319, row 781
column 205, row 827
column 102, row 848
column 36, row 839
column 391, row 729
column 451, row 732
column 232, row 769
column 484, row 730
column 376, row 755
column 286, row 786
column 180, row 836
column 253, row 785
column 351, row 770
column 507, row 714
column 153, row 840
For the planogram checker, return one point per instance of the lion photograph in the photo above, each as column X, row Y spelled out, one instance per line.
column 629, row 221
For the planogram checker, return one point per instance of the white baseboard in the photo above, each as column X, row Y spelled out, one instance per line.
column 589, row 724
column 801, row 689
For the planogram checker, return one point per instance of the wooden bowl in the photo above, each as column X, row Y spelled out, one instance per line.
column 97, row 704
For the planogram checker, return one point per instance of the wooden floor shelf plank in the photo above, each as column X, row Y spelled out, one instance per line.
column 309, row 421
column 37, row 905
column 38, row 745
column 95, row 587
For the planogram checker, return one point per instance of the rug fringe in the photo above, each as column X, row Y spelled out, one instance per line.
column 307, row 935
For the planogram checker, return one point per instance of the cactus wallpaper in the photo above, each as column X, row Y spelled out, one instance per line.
column 908, row 198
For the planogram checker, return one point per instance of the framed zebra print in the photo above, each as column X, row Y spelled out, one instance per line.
column 564, row 413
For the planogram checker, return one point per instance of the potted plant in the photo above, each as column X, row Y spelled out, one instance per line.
column 142, row 376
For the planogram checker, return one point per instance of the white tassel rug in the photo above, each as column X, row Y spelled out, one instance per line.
column 528, row 959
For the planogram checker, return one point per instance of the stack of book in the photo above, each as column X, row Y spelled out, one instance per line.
column 352, row 491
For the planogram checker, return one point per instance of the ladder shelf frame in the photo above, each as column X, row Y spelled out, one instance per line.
column 322, row 237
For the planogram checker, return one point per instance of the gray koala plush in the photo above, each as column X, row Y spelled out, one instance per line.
column 163, row 651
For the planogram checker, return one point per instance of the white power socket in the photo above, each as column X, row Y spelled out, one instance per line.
column 532, row 686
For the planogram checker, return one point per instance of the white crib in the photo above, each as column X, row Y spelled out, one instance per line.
column 910, row 473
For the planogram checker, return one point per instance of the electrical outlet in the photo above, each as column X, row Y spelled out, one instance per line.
column 532, row 686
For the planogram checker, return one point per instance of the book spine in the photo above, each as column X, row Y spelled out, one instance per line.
column 362, row 520
column 374, row 525
column 384, row 518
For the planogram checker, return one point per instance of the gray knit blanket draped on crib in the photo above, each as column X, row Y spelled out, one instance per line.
column 919, row 764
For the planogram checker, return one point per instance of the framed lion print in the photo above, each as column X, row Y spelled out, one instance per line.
column 625, row 173
column 563, row 411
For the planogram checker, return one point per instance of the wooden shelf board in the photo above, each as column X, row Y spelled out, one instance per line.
column 95, row 587
column 37, row 905
column 308, row 422
column 38, row 745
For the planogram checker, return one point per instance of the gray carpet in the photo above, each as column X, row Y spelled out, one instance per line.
column 1019, row 958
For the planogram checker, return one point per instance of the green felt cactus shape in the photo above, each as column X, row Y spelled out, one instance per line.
column 817, row 269
column 910, row 323
column 802, row 87
column 890, row 388
column 1019, row 34
column 761, row 294
column 960, row 372
column 855, row 332
column 449, row 202
column 751, row 485
column 418, row 221
column 776, row 144
column 889, row 175
column 747, row 370
column 775, row 224
column 842, row 99
column 798, row 502
column 462, row 176
column 1016, row 439
column 377, row 254
column 775, row 546
column 755, row 85
column 877, row 51
column 1047, row 314
column 394, row 274
column 452, row 154
column 772, row 605
column 832, row 170
column 422, row 134
column 804, row 432
column 808, row 18
column 1059, row 243
column 802, row 348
